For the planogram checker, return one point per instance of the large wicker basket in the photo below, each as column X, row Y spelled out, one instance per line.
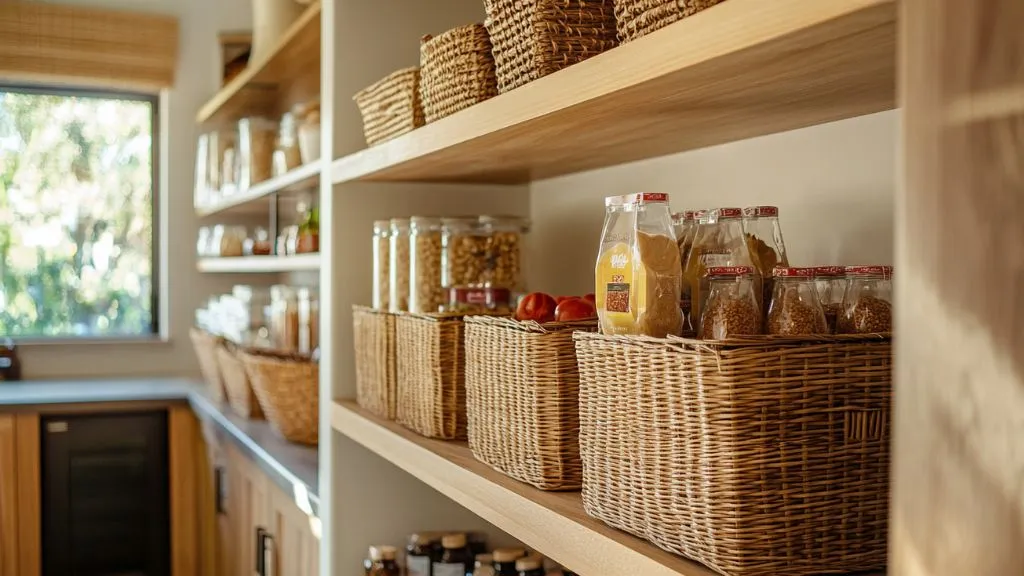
column 288, row 388
column 637, row 18
column 431, row 365
column 391, row 106
column 522, row 399
column 206, row 346
column 374, row 336
column 241, row 398
column 533, row 38
column 457, row 71
column 755, row 457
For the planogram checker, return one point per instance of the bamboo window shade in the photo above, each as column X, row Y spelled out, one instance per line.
column 88, row 46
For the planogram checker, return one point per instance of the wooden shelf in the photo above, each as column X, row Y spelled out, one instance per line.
column 553, row 523
column 740, row 69
column 985, row 106
column 260, row 264
column 291, row 67
column 299, row 179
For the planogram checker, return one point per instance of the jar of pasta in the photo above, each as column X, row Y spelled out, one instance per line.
column 867, row 303
column 398, row 274
column 426, row 294
column 466, row 245
column 795, row 307
column 731, row 308
column 505, row 251
column 381, row 264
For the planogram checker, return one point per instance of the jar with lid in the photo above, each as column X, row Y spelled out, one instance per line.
column 257, row 139
column 254, row 322
column 767, row 249
column 288, row 141
column 308, row 300
column 287, row 241
column 258, row 244
column 381, row 249
column 530, row 566
column 685, row 225
column 307, row 238
column 232, row 240
column 719, row 243
column 203, row 242
column 284, row 323
column 383, row 561
column 795, row 305
column 867, row 303
column 505, row 560
column 426, row 293
column 505, row 254
column 831, row 284
column 731, row 308
column 398, row 270
column 456, row 559
column 484, row 565
column 421, row 552
column 464, row 260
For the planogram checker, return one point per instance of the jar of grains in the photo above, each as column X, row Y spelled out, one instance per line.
column 731, row 307
column 795, row 306
column 425, row 290
column 867, row 303
column 464, row 259
column 831, row 284
column 398, row 269
column 504, row 255
column 381, row 264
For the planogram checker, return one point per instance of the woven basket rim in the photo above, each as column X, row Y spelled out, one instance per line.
column 531, row 326
column 744, row 342
column 370, row 310
column 475, row 28
column 359, row 96
column 440, row 316
column 265, row 357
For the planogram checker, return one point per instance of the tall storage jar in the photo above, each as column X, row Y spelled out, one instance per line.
column 867, row 304
column 284, row 320
column 719, row 243
column 398, row 275
column 425, row 290
column 464, row 262
column 505, row 253
column 381, row 264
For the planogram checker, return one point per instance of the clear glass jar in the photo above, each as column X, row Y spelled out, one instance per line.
column 288, row 141
column 466, row 244
column 398, row 270
column 381, row 264
column 232, row 241
column 426, row 293
column 284, row 318
column 867, row 303
column 484, row 565
column 259, row 243
column 795, row 305
column 203, row 241
column 308, row 301
column 731, row 308
column 505, row 251
column 767, row 249
column 719, row 243
column 257, row 139
column 831, row 284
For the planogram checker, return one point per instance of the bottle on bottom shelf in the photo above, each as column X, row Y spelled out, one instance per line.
column 456, row 560
column 383, row 562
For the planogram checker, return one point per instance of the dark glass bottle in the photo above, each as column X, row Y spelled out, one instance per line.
column 423, row 550
column 530, row 566
column 384, row 561
column 10, row 367
column 456, row 559
column 505, row 560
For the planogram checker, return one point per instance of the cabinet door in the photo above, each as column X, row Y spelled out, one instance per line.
column 296, row 538
column 8, row 498
column 247, row 511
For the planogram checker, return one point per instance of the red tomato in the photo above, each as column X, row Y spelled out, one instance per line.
column 537, row 306
column 575, row 309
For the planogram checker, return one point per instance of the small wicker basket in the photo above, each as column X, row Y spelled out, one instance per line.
column 431, row 365
column 522, row 399
column 288, row 387
column 236, row 383
column 374, row 337
column 756, row 457
column 457, row 71
column 534, row 38
column 637, row 18
column 206, row 346
column 391, row 106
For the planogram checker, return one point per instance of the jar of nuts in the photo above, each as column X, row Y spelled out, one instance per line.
column 867, row 303
column 731, row 308
column 381, row 264
column 795, row 307
column 465, row 243
column 504, row 257
column 831, row 284
column 426, row 294
column 398, row 269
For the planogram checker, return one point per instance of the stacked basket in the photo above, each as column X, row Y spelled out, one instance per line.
column 288, row 389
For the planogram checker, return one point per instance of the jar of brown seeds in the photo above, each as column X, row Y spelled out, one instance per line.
column 504, row 256
column 731, row 308
column 465, row 243
column 795, row 308
column 867, row 304
column 831, row 284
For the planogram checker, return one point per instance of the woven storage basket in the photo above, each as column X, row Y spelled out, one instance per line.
column 206, row 346
column 391, row 106
column 431, row 365
column 236, row 383
column 374, row 335
column 456, row 71
column 637, row 18
column 533, row 38
column 758, row 457
column 522, row 399
column 289, row 391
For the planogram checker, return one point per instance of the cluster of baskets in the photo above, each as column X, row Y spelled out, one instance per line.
column 519, row 42
column 760, row 456
column 257, row 384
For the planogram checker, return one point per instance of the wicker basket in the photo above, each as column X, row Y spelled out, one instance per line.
column 374, row 335
column 431, row 365
column 637, row 18
column 754, row 457
column 522, row 399
column 533, row 38
column 289, row 390
column 391, row 106
column 236, row 383
column 206, row 346
column 457, row 71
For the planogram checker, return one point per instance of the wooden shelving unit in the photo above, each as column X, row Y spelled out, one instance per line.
column 745, row 68
column 260, row 264
column 303, row 177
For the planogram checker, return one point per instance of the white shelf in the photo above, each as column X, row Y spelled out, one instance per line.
column 260, row 264
column 298, row 179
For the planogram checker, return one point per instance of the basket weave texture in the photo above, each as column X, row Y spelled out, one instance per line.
column 206, row 346
column 431, row 366
column 374, row 337
column 391, row 106
column 533, row 38
column 457, row 71
column 522, row 399
column 288, row 389
column 240, row 395
column 755, row 457
column 638, row 18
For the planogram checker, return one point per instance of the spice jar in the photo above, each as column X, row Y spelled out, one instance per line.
column 257, row 138
column 421, row 553
column 505, row 560
column 308, row 233
column 504, row 253
column 232, row 240
column 530, row 566
column 719, row 242
column 398, row 274
column 258, row 244
column 288, row 141
column 767, row 249
column 381, row 263
column 685, row 225
column 831, row 284
column 484, row 565
column 383, row 561
column 308, row 300
column 284, row 323
column 731, row 308
column 426, row 294
column 867, row 303
column 456, row 559
column 795, row 306
column 466, row 244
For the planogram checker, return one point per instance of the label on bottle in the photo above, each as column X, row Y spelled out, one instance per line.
column 417, row 565
column 442, row 569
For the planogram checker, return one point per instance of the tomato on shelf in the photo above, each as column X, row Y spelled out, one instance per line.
column 536, row 306
column 575, row 308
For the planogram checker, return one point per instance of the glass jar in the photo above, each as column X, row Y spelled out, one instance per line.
column 284, row 323
column 719, row 243
column 466, row 244
column 767, row 249
column 504, row 254
column 484, row 565
column 307, row 238
column 456, row 559
column 530, row 566
column 685, row 230
column 426, row 293
column 381, row 264
column 505, row 560
column 308, row 300
column 398, row 270
column 831, row 284
column 383, row 561
column 421, row 552
column 479, row 300
column 254, row 322
column 203, row 242
column 257, row 139
column 795, row 306
column 731, row 308
column 867, row 303
column 259, row 243
column 288, row 141
column 232, row 241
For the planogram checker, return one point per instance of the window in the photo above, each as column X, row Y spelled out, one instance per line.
column 77, row 198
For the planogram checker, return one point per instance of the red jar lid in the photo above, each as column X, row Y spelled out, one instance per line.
column 728, row 213
column 883, row 271
column 730, row 271
column 829, row 271
column 639, row 198
column 792, row 272
column 761, row 211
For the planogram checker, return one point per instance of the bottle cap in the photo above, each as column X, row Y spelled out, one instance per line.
column 424, row 538
column 792, row 272
column 378, row 553
column 639, row 198
column 729, row 271
column 729, row 213
column 761, row 211
column 829, row 271
column 529, row 563
column 453, row 541
column 508, row 554
column 484, row 559
column 883, row 271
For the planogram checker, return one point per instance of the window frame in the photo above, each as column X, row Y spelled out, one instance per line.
column 153, row 99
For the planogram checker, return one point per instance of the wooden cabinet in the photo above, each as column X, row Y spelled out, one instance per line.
column 19, row 495
column 296, row 537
